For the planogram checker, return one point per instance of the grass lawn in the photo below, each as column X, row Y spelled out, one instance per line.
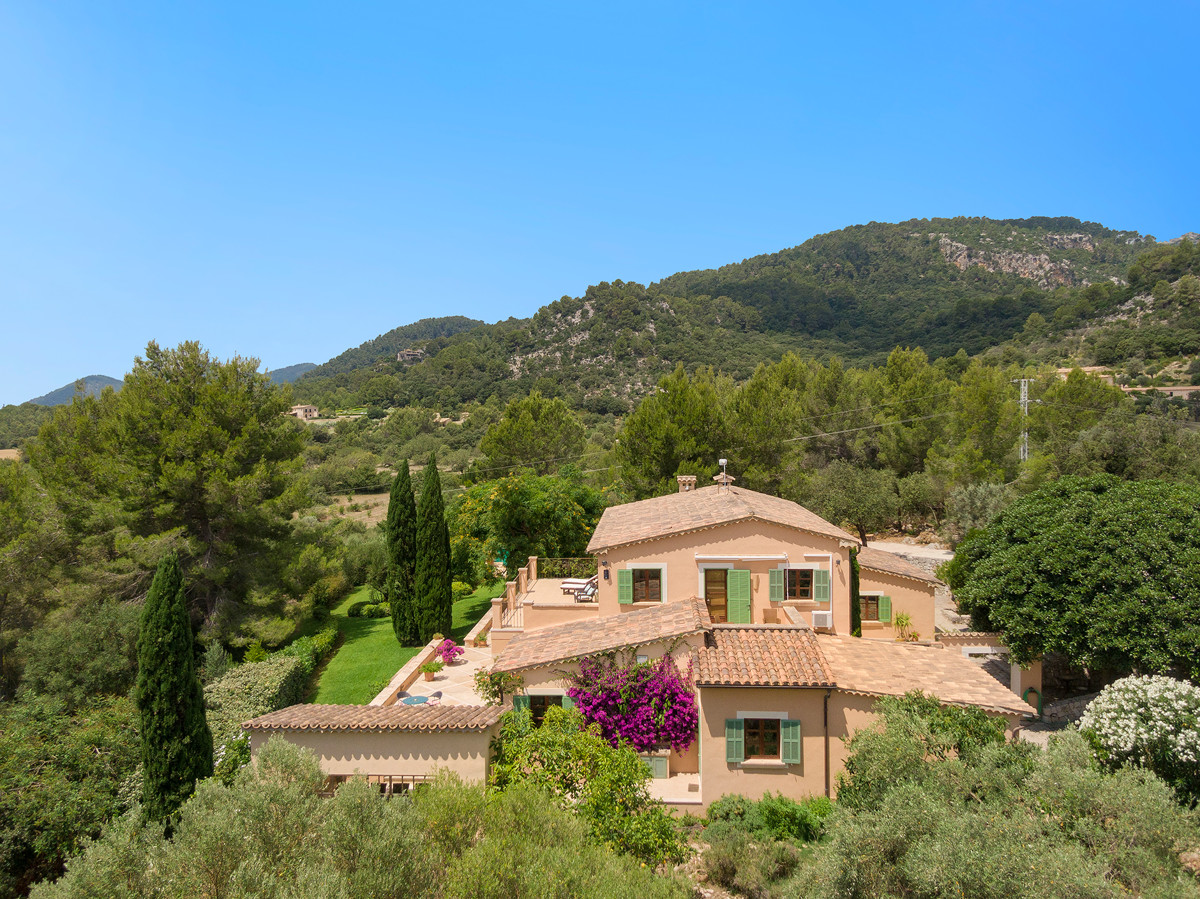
column 370, row 655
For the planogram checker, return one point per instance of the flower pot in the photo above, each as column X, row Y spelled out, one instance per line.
column 429, row 675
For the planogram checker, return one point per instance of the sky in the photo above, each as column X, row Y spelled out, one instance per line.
column 288, row 180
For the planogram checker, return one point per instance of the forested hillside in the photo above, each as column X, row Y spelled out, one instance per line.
column 942, row 284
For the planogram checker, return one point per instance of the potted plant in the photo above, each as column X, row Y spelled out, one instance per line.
column 429, row 669
column 448, row 651
column 481, row 640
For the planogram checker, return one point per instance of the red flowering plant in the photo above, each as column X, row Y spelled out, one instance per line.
column 647, row 705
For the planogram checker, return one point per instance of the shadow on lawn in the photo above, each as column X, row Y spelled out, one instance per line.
column 468, row 611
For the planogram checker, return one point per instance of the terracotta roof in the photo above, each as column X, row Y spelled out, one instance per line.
column 762, row 656
column 378, row 718
column 680, row 513
column 576, row 639
column 880, row 668
column 890, row 563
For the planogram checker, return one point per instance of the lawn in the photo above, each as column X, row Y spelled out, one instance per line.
column 370, row 655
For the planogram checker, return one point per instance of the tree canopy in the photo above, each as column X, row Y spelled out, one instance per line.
column 1101, row 570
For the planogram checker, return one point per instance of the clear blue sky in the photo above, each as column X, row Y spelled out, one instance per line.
column 287, row 180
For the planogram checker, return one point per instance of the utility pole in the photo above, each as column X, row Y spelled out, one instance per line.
column 1024, row 382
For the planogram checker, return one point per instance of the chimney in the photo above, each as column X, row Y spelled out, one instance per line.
column 687, row 482
column 724, row 479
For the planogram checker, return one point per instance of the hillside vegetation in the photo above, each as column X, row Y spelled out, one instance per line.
column 943, row 284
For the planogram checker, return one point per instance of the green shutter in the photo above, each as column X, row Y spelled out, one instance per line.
column 735, row 740
column 885, row 608
column 568, row 702
column 822, row 586
column 778, row 585
column 520, row 703
column 624, row 586
column 737, row 586
column 791, row 747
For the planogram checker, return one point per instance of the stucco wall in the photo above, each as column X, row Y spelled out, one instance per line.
column 396, row 753
column 753, row 778
column 913, row 597
column 733, row 542
column 543, row 614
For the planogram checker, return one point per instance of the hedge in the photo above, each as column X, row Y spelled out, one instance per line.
column 253, row 689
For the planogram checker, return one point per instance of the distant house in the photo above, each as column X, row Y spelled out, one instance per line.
column 304, row 413
column 410, row 355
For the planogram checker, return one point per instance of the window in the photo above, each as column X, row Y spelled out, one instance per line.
column 647, row 585
column 799, row 583
column 807, row 583
column 875, row 607
column 538, row 704
column 763, row 739
column 639, row 585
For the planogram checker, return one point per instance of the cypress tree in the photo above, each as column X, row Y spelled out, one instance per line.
column 177, row 748
column 434, row 601
column 855, row 596
column 401, row 531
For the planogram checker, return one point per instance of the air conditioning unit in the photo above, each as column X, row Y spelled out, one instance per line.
column 823, row 620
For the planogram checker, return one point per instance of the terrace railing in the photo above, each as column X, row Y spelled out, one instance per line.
column 567, row 568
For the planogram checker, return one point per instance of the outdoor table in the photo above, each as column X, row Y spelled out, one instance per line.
column 415, row 700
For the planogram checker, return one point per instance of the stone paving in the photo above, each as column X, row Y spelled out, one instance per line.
column 456, row 682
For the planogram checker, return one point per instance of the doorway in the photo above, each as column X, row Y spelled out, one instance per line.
column 716, row 593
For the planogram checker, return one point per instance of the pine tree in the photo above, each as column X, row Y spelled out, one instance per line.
column 434, row 601
column 177, row 748
column 401, row 531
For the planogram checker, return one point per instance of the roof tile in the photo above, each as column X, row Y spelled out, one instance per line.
column 377, row 718
column 890, row 563
column 576, row 639
column 762, row 656
column 679, row 513
column 877, row 667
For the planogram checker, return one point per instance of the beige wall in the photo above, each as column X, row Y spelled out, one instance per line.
column 737, row 543
column 750, row 778
column 908, row 595
column 397, row 753
column 542, row 614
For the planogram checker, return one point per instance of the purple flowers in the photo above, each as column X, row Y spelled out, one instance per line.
column 448, row 651
column 649, row 705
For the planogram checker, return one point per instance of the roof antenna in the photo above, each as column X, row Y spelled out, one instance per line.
column 723, row 479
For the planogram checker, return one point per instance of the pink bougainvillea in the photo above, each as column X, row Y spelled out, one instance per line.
column 448, row 650
column 648, row 705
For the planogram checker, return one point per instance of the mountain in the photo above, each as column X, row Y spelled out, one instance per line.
column 942, row 284
column 289, row 373
column 385, row 347
column 92, row 385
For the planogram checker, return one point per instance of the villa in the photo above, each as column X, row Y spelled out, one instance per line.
column 749, row 592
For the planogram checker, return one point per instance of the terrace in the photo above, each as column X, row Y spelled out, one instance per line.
column 544, row 592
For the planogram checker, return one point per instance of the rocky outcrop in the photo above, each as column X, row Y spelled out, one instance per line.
column 1040, row 268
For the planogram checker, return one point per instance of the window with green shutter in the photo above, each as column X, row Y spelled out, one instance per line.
column 735, row 740
column 520, row 702
column 738, row 586
column 624, row 586
column 885, row 608
column 822, row 586
column 568, row 702
column 792, row 748
column 777, row 584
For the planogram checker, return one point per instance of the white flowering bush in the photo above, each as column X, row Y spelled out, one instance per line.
column 231, row 756
column 1149, row 722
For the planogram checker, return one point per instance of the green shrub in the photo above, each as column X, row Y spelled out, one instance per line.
column 251, row 690
column 775, row 817
column 269, row 834
column 255, row 653
column 734, row 861
column 460, row 590
column 356, row 608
